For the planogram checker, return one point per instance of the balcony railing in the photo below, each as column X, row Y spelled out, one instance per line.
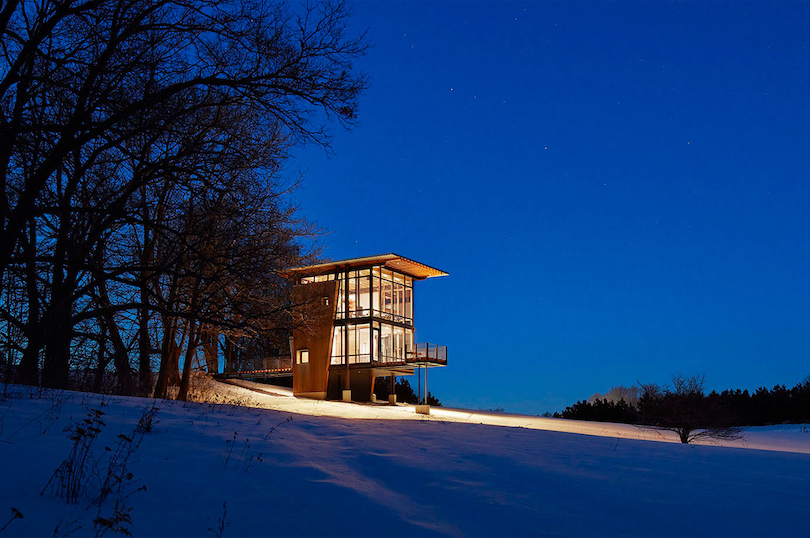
column 422, row 353
column 277, row 363
column 262, row 367
column 428, row 353
column 362, row 313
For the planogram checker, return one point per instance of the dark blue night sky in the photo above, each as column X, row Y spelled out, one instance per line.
column 619, row 191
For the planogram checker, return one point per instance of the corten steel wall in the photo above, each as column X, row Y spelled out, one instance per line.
column 314, row 326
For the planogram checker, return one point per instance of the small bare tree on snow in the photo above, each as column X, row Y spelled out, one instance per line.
column 685, row 410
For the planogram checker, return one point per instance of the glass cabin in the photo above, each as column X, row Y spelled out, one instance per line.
column 372, row 325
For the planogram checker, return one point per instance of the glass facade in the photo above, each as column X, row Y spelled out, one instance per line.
column 374, row 318
column 377, row 292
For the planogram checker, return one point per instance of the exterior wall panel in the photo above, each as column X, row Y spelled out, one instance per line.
column 314, row 324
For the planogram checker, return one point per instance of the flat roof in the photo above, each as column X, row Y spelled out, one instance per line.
column 393, row 261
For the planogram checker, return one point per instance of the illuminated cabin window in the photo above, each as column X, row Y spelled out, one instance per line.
column 361, row 348
column 359, row 343
column 394, row 342
column 319, row 278
column 303, row 356
column 378, row 293
column 337, row 346
column 338, row 341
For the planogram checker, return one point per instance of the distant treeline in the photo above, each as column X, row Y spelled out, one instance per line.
column 654, row 406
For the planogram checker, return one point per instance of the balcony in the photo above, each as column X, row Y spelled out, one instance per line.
column 421, row 355
column 366, row 313
column 427, row 355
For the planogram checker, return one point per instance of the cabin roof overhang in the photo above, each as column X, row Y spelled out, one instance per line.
column 414, row 269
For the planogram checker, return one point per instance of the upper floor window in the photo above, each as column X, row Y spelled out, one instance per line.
column 378, row 292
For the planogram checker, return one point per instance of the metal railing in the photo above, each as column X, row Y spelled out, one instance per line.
column 361, row 313
column 422, row 353
column 429, row 353
column 268, row 366
column 277, row 363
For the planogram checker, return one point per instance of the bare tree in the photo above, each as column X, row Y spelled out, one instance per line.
column 114, row 114
column 685, row 410
column 616, row 394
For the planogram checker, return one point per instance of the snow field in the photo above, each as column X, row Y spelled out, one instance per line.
column 329, row 476
column 783, row 438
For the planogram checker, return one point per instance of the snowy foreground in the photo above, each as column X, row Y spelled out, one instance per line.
column 339, row 469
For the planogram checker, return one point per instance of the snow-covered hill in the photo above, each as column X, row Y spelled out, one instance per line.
column 336, row 472
column 782, row 438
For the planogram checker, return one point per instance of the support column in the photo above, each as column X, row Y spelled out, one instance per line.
column 347, row 389
column 424, row 409
column 392, row 398
column 426, row 390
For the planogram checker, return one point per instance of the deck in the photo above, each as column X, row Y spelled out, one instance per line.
column 425, row 356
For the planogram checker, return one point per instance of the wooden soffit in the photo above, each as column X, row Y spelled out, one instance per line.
column 401, row 264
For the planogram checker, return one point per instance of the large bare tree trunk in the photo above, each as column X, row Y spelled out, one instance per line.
column 229, row 355
column 169, row 373
column 59, row 313
column 123, row 371
column 103, row 359
column 210, row 340
column 59, row 334
column 193, row 342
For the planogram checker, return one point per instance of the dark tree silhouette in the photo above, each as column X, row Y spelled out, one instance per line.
column 131, row 133
column 685, row 410
column 603, row 410
column 404, row 391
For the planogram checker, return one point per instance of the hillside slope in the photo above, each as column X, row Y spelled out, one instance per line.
column 317, row 475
